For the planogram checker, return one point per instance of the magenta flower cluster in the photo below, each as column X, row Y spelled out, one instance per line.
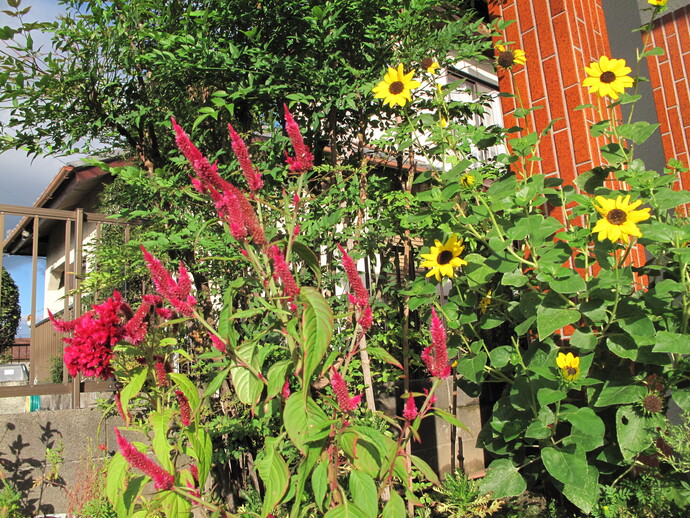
column 303, row 159
column 435, row 356
column 360, row 298
column 89, row 349
column 342, row 396
column 162, row 480
column 177, row 293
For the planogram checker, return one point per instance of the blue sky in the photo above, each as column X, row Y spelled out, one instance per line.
column 23, row 180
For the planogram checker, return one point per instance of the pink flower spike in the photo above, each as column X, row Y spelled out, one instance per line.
column 185, row 409
column 410, row 412
column 361, row 295
column 252, row 174
column 282, row 271
column 218, row 343
column 286, row 390
column 345, row 402
column 303, row 159
column 366, row 318
column 176, row 293
column 435, row 356
column 162, row 480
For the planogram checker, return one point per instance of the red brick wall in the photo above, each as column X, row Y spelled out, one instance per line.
column 668, row 75
column 560, row 38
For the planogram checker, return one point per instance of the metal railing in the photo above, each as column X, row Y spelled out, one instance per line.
column 38, row 235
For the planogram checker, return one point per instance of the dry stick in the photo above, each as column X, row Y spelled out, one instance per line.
column 362, row 342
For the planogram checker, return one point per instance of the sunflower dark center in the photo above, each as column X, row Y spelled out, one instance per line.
column 506, row 59
column 617, row 216
column 396, row 87
column 572, row 371
column 607, row 77
column 427, row 62
column 653, row 404
column 445, row 257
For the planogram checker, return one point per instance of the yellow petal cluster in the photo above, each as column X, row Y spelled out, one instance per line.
column 608, row 77
column 620, row 218
column 396, row 87
column 443, row 258
column 569, row 365
column 506, row 58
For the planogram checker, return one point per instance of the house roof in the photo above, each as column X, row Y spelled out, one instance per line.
column 70, row 188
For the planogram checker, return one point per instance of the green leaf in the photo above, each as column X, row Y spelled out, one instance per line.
column 132, row 388
column 583, row 340
column 613, row 153
column 302, row 417
column 381, row 354
column 176, row 505
column 202, row 451
column 247, row 386
column 275, row 474
column 472, row 368
column 188, row 389
column 449, row 418
column 362, row 452
column 635, row 433
column 426, row 470
column 567, row 465
column 682, row 399
column 553, row 319
column 118, row 467
column 619, row 392
column 160, row 423
column 638, row 131
column 347, row 510
column 216, row 382
column 675, row 343
column 363, row 491
column 309, row 257
column 585, row 497
column 502, row 480
column 395, row 507
column 277, row 374
column 319, row 482
column 317, row 323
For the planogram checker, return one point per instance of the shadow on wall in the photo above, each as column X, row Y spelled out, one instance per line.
column 32, row 467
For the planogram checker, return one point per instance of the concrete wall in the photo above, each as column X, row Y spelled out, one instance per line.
column 23, row 442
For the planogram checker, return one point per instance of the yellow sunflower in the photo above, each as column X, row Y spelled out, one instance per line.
column 507, row 58
column 608, row 77
column 468, row 181
column 569, row 365
column 485, row 302
column 660, row 3
column 620, row 218
column 429, row 64
column 396, row 86
column 442, row 258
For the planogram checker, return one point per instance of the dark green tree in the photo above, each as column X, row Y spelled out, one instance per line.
column 10, row 312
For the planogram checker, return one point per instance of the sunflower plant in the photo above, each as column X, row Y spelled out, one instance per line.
column 573, row 300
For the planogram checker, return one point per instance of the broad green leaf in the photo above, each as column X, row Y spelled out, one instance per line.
column 319, row 483
column 635, row 432
column 426, row 470
column 317, row 321
column 583, row 340
column 638, row 131
column 682, row 399
column 202, row 450
column 347, row 510
column 132, row 388
column 188, row 389
column 449, row 418
column 176, row 505
column 500, row 356
column 585, row 497
column 302, row 417
column 619, row 392
column 363, row 491
column 675, row 343
column 473, row 367
column 502, row 480
column 274, row 473
column 247, row 386
column 118, row 467
column 395, row 507
column 160, row 423
column 277, row 374
column 216, row 382
column 309, row 257
column 567, row 465
column 381, row 354
column 587, row 429
column 362, row 453
column 550, row 320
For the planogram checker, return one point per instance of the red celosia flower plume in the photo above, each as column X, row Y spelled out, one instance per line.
column 176, row 293
column 162, row 480
column 251, row 173
column 94, row 334
column 345, row 402
column 360, row 299
column 282, row 272
column 231, row 203
column 185, row 409
column 410, row 412
column 303, row 159
column 435, row 356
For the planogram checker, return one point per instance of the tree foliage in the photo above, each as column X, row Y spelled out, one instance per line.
column 9, row 310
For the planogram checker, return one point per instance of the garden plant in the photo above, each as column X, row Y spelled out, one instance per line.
column 573, row 299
